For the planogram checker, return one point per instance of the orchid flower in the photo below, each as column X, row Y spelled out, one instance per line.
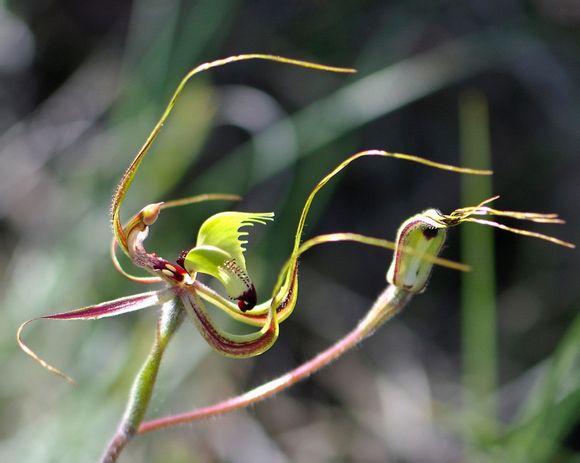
column 426, row 233
column 219, row 251
column 218, row 237
column 419, row 241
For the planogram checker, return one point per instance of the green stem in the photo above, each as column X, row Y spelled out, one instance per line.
column 389, row 303
column 142, row 390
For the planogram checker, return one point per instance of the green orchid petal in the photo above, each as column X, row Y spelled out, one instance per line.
column 219, row 264
column 220, row 253
column 206, row 259
column 223, row 231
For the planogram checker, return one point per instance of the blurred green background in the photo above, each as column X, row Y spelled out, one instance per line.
column 485, row 368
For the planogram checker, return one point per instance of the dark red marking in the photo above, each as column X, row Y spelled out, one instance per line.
column 160, row 264
column 430, row 232
column 181, row 258
column 248, row 299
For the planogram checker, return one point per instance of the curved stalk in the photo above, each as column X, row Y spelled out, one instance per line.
column 389, row 303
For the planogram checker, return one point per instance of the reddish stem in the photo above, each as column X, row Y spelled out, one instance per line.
column 388, row 304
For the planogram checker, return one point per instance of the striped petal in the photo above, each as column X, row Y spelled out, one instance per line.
column 105, row 309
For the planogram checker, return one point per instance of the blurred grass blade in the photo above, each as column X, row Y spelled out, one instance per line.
column 478, row 286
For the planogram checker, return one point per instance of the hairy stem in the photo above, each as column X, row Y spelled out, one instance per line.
column 389, row 303
column 142, row 390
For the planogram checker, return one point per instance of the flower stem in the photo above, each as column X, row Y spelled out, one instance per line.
column 388, row 304
column 142, row 390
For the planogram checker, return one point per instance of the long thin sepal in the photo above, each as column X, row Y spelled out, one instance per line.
column 129, row 174
column 354, row 157
column 287, row 285
column 380, row 243
column 519, row 231
column 129, row 276
column 105, row 309
column 466, row 214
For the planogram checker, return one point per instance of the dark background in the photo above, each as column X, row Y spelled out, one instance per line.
column 82, row 84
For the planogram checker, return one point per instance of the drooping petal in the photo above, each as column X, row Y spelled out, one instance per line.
column 105, row 309
column 231, row 345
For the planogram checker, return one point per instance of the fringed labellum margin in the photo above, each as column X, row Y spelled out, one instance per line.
column 219, row 252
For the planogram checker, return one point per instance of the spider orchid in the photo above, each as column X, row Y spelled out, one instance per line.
column 219, row 252
column 179, row 281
